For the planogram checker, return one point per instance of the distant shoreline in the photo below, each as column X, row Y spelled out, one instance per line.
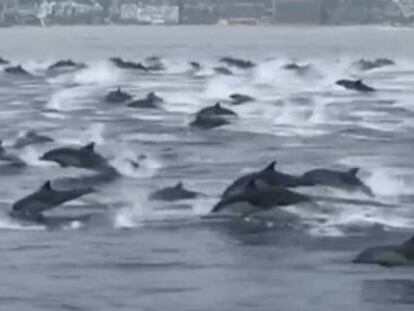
column 261, row 25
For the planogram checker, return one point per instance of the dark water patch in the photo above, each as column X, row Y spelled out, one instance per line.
column 30, row 247
column 166, row 250
column 72, row 307
column 151, row 266
column 389, row 291
column 169, row 290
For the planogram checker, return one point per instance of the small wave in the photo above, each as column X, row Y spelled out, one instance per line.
column 387, row 183
column 31, row 156
column 36, row 66
column 7, row 223
column 221, row 87
column 177, row 67
column 130, row 164
column 68, row 99
column 95, row 133
column 99, row 73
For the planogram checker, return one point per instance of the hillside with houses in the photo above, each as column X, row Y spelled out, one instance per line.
column 226, row 12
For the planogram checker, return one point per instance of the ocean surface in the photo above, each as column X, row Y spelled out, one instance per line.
column 146, row 255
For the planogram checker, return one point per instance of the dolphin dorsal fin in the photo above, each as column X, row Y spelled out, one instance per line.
column 353, row 171
column 179, row 185
column 358, row 82
column 217, row 105
column 47, row 186
column 271, row 166
column 89, row 147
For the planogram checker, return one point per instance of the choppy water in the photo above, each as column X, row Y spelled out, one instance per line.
column 142, row 255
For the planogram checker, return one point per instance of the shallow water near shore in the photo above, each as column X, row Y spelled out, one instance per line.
column 140, row 255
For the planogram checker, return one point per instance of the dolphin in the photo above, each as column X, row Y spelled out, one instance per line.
column 258, row 196
column 355, row 85
column 66, row 64
column 216, row 110
column 256, row 199
column 209, row 122
column 213, row 116
column 31, row 207
column 122, row 64
column 175, row 193
column 389, row 255
column 297, row 68
column 117, row 96
column 347, row 180
column 384, row 62
column 196, row 66
column 84, row 157
column 365, row 65
column 239, row 63
column 238, row 99
column 95, row 180
column 17, row 70
column 151, row 101
column 269, row 176
column 31, row 138
column 223, row 71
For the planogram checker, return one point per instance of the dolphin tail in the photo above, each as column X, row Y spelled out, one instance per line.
column 367, row 190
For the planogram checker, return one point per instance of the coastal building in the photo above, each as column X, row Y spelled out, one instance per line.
column 228, row 12
column 148, row 12
column 198, row 12
column 406, row 8
column 128, row 12
column 244, row 12
column 346, row 12
column 162, row 14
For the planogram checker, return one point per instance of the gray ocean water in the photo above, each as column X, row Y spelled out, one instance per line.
column 142, row 255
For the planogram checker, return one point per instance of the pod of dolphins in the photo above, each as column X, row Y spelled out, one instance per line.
column 249, row 195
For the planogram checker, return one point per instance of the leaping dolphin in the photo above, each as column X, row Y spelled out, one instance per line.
column 151, row 101
column 269, row 176
column 355, row 85
column 238, row 99
column 213, row 116
column 239, row 63
column 347, row 180
column 389, row 255
column 118, row 96
column 85, row 157
column 256, row 199
column 31, row 207
column 62, row 64
column 31, row 138
column 17, row 70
